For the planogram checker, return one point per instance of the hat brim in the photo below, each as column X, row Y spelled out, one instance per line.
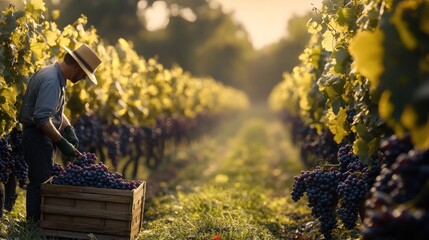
column 90, row 75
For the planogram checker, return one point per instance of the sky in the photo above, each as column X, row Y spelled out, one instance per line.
column 266, row 21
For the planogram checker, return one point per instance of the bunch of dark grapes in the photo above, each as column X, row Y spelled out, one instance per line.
column 338, row 190
column 345, row 156
column 351, row 113
column 125, row 137
column 5, row 160
column 20, row 171
column 111, row 140
column 321, row 188
column 399, row 200
column 84, row 171
column 373, row 169
column 57, row 169
column 88, row 130
column 352, row 192
column 19, row 165
column 321, row 146
column 86, row 159
column 393, row 146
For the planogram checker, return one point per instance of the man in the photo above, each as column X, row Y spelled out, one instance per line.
column 42, row 116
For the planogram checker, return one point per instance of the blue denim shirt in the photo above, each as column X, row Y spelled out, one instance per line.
column 44, row 98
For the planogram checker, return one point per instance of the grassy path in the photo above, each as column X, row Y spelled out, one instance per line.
column 236, row 186
column 233, row 183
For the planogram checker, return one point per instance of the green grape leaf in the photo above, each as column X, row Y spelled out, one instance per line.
column 361, row 131
column 337, row 104
column 347, row 17
column 7, row 105
column 365, row 149
column 341, row 56
column 367, row 50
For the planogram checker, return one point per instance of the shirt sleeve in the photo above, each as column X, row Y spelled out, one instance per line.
column 48, row 97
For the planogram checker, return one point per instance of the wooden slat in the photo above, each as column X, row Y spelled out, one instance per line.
column 135, row 230
column 137, row 196
column 85, row 228
column 117, row 223
column 87, row 196
column 78, row 212
column 81, row 235
column 77, row 189
column 73, row 211
column 118, row 207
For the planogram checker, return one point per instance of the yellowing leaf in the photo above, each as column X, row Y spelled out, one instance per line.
column 419, row 136
column 51, row 38
column 63, row 41
column 365, row 149
column 313, row 27
column 152, row 90
column 336, row 124
column 409, row 117
column 385, row 108
column 405, row 34
column 367, row 51
column 55, row 14
column 37, row 4
column 329, row 41
column 35, row 8
column 37, row 49
column 424, row 20
column 83, row 95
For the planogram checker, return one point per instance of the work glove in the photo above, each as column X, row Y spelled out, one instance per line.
column 66, row 148
column 70, row 135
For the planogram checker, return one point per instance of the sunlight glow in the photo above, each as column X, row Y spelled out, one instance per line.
column 157, row 16
column 266, row 21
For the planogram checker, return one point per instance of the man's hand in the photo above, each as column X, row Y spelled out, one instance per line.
column 70, row 135
column 67, row 149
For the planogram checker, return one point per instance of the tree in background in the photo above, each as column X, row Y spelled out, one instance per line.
column 209, row 43
column 113, row 19
column 269, row 63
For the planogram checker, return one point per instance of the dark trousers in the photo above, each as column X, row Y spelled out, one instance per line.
column 39, row 153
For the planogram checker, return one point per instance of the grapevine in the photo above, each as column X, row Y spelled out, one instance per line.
column 372, row 100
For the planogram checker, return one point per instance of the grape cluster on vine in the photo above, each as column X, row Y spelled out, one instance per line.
column 393, row 146
column 337, row 190
column 5, row 160
column 19, row 166
column 399, row 200
column 351, row 113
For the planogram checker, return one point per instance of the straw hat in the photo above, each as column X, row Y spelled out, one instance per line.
column 87, row 59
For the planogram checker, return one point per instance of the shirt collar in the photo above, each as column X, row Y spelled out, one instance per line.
column 60, row 75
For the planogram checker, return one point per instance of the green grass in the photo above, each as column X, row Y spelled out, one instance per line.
column 242, row 191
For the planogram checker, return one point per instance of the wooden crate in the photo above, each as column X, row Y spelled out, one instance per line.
column 87, row 212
